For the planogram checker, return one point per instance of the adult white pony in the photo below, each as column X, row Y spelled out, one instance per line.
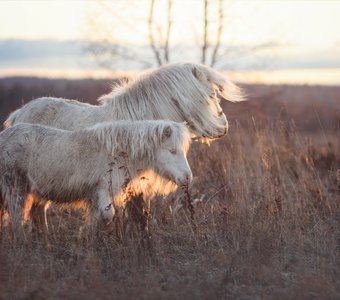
column 94, row 165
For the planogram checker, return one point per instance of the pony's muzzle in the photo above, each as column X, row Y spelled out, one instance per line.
column 107, row 214
column 185, row 180
column 223, row 133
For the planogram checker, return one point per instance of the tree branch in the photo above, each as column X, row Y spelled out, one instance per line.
column 151, row 37
column 167, row 38
column 219, row 32
column 205, row 32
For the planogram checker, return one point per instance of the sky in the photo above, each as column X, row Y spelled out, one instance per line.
column 47, row 35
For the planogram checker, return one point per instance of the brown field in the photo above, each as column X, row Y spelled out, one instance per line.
column 267, row 212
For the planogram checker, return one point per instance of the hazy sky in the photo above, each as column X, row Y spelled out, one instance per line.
column 300, row 31
column 314, row 23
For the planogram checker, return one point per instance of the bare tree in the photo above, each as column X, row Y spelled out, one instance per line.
column 157, row 49
column 205, row 32
column 152, row 42
column 168, row 31
column 219, row 33
column 206, row 44
column 107, row 51
column 211, row 48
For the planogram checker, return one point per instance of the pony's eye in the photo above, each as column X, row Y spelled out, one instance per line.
column 213, row 95
column 173, row 151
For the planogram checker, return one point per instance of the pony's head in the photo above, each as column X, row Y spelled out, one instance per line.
column 199, row 99
column 191, row 93
column 171, row 155
column 158, row 145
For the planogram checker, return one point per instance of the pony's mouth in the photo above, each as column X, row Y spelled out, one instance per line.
column 183, row 186
column 207, row 137
column 175, row 181
column 223, row 133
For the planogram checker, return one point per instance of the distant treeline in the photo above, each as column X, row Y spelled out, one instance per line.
column 16, row 91
column 309, row 108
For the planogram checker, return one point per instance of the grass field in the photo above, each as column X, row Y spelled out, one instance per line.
column 267, row 215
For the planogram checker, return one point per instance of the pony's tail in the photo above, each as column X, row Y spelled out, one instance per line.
column 11, row 120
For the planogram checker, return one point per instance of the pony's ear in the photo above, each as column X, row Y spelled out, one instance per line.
column 201, row 76
column 167, row 131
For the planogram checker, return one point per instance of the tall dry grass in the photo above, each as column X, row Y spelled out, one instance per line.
column 267, row 226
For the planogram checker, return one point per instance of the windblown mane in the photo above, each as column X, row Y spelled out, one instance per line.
column 139, row 139
column 177, row 91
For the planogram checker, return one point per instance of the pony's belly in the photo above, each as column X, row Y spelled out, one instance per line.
column 65, row 195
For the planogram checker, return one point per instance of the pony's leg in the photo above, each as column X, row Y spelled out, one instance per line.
column 2, row 210
column 42, row 214
column 103, row 209
column 38, row 214
column 35, row 210
column 15, row 209
column 3, row 213
column 27, row 218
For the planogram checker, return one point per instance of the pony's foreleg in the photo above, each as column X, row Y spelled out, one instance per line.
column 102, row 207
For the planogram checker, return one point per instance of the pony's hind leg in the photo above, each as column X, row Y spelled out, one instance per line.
column 38, row 214
column 4, row 217
column 26, row 215
column 2, row 210
column 15, row 207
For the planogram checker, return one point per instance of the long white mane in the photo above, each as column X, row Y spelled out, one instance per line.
column 139, row 139
column 181, row 89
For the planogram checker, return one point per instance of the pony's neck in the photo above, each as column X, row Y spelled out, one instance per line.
column 140, row 164
column 127, row 105
column 124, row 140
column 87, row 140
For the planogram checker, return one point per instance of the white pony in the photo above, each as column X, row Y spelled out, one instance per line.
column 94, row 165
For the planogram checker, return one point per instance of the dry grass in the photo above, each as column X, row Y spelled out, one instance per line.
column 267, row 226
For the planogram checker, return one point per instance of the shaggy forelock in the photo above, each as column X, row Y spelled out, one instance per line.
column 140, row 139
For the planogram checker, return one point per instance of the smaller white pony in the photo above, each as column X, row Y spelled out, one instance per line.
column 93, row 165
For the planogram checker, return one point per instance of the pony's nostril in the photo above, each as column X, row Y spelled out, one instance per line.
column 188, row 178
